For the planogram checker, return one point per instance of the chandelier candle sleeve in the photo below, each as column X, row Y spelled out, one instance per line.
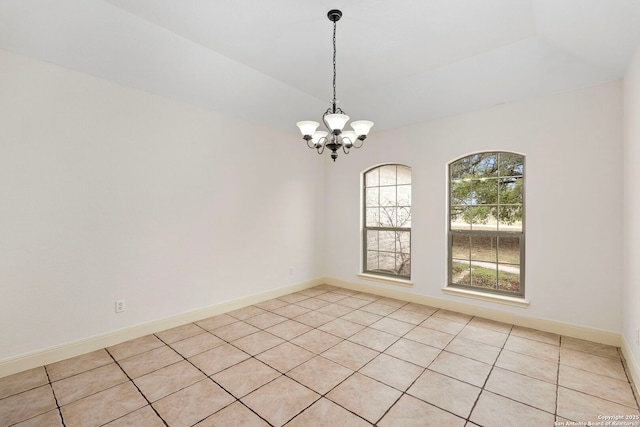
column 334, row 118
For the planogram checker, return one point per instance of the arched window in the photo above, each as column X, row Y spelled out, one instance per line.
column 486, row 223
column 387, row 221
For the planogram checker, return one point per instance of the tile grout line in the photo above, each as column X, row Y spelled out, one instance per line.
column 595, row 373
column 402, row 393
column 137, row 388
column 398, row 339
column 629, row 378
column 196, row 367
column 324, row 395
column 54, row 395
column 558, row 378
column 237, row 399
column 467, row 419
column 528, row 376
column 284, row 374
column 487, row 378
column 482, row 389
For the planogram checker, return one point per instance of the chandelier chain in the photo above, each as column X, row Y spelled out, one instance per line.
column 334, row 66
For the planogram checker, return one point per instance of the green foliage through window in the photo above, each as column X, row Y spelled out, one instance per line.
column 486, row 209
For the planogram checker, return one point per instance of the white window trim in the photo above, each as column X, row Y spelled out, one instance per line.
column 386, row 279
column 485, row 296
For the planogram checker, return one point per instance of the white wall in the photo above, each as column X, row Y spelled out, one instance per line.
column 111, row 193
column 573, row 148
column 631, row 206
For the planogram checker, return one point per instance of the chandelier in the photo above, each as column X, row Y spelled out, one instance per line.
column 334, row 118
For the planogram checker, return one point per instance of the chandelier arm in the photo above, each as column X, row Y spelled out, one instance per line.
column 320, row 149
column 324, row 120
column 355, row 143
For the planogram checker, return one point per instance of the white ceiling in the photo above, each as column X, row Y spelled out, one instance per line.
column 398, row 62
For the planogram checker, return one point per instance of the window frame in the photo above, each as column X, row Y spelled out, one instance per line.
column 381, row 274
column 491, row 233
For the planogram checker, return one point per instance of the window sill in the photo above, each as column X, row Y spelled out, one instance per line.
column 500, row 299
column 391, row 280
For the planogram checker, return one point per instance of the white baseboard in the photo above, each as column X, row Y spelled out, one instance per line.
column 561, row 328
column 64, row 351
column 633, row 366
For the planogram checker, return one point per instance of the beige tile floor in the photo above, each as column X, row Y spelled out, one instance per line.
column 328, row 356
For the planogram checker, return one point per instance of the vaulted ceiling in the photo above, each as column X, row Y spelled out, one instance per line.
column 270, row 62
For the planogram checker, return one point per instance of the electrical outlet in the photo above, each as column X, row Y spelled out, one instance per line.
column 120, row 306
column 638, row 336
column 290, row 271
